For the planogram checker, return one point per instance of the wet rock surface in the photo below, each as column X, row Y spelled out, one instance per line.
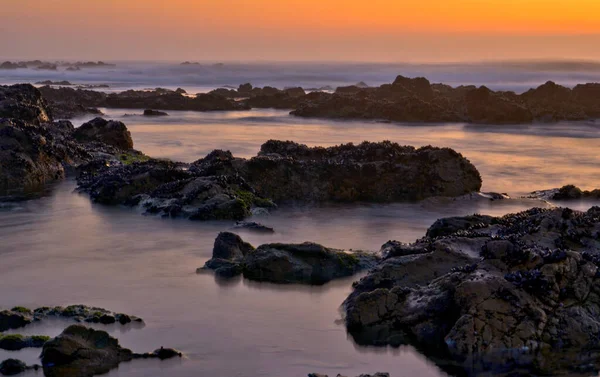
column 519, row 293
column 306, row 263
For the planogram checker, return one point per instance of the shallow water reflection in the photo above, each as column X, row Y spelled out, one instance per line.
column 62, row 249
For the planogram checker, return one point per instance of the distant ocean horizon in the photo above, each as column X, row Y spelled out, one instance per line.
column 203, row 76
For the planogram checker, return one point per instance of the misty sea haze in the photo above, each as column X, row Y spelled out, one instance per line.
column 203, row 77
column 63, row 249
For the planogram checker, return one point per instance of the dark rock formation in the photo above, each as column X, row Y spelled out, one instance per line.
column 80, row 351
column 167, row 189
column 158, row 99
column 23, row 102
column 34, row 150
column 83, row 352
column 376, row 172
column 16, row 342
column 154, row 113
column 267, row 97
column 417, row 100
column 223, row 187
column 306, row 263
column 109, row 132
column 516, row 293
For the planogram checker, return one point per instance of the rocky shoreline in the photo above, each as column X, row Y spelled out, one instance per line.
column 476, row 294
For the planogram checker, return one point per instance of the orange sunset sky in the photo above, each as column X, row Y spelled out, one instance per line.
column 367, row 30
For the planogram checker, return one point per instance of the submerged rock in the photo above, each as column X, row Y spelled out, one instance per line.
column 519, row 292
column 306, row 263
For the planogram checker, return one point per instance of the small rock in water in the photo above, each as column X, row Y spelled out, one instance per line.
column 154, row 113
column 253, row 226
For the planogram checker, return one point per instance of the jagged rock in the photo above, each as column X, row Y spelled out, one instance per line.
column 110, row 132
column 520, row 292
column 164, row 188
column 306, row 263
column 25, row 103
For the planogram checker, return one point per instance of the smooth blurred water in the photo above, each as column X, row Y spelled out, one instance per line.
column 62, row 249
